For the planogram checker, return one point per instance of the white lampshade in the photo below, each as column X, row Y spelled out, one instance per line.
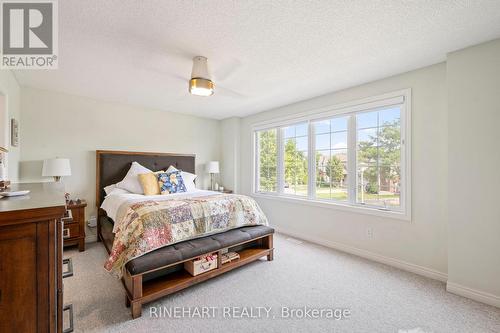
column 212, row 167
column 56, row 167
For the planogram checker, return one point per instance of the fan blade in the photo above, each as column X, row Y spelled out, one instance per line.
column 229, row 92
column 227, row 70
column 178, row 53
column 178, row 77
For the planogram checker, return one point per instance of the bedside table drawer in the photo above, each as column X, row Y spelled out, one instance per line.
column 71, row 230
column 74, row 230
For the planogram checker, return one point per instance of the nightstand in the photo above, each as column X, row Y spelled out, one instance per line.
column 74, row 228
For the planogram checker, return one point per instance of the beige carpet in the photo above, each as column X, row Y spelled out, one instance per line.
column 380, row 298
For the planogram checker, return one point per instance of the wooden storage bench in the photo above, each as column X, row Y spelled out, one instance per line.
column 161, row 272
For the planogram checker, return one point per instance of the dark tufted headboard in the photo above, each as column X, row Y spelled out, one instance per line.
column 112, row 166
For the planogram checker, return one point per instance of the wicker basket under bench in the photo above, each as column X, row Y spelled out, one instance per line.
column 161, row 272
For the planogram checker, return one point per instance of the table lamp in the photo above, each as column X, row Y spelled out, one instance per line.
column 212, row 168
column 57, row 168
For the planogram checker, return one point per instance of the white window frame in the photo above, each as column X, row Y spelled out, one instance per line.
column 401, row 97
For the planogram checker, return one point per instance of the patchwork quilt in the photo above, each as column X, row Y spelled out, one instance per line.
column 149, row 225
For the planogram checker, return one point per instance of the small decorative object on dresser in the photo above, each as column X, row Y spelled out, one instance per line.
column 4, row 183
column 14, row 193
column 74, row 227
column 14, row 132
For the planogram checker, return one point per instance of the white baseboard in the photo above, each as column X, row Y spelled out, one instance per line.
column 420, row 270
column 90, row 238
column 90, row 233
column 474, row 294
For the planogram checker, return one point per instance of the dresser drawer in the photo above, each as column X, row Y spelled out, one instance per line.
column 71, row 230
column 18, row 278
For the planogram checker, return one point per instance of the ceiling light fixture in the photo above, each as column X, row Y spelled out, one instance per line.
column 200, row 83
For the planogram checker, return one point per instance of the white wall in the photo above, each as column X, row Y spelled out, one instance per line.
column 55, row 124
column 420, row 242
column 230, row 151
column 474, row 177
column 10, row 89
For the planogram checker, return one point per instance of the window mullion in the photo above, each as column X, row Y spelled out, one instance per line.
column 257, row 162
column 281, row 164
column 403, row 160
column 311, row 168
column 351, row 160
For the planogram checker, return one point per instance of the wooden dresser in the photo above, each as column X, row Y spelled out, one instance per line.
column 31, row 260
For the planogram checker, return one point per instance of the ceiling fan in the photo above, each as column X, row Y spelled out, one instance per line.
column 200, row 83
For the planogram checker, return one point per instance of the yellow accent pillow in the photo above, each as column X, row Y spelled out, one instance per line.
column 149, row 183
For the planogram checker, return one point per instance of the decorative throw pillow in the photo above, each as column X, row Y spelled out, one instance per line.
column 149, row 182
column 131, row 181
column 187, row 177
column 171, row 182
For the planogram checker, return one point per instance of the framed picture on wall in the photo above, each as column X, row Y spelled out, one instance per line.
column 14, row 132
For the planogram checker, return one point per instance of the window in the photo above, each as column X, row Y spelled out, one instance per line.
column 378, row 167
column 267, row 160
column 354, row 156
column 295, row 159
column 331, row 158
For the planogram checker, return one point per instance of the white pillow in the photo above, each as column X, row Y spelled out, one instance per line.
column 109, row 188
column 131, row 181
column 171, row 169
column 187, row 177
column 117, row 190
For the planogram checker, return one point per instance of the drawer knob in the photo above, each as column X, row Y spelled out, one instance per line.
column 66, row 233
column 69, row 272
column 71, row 327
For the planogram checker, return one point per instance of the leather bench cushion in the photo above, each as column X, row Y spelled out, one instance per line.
column 188, row 249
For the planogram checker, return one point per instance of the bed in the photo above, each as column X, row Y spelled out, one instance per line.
column 160, row 272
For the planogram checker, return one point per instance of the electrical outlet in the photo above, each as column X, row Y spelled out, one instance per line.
column 369, row 233
column 92, row 222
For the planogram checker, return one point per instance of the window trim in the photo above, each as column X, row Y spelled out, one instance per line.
column 400, row 97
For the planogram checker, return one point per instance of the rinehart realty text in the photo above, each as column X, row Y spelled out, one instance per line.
column 247, row 312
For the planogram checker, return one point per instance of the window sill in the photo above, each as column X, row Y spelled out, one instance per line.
column 336, row 206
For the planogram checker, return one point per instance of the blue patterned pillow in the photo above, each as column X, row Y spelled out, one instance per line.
column 171, row 182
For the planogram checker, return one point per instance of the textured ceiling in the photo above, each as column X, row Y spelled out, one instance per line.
column 262, row 54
